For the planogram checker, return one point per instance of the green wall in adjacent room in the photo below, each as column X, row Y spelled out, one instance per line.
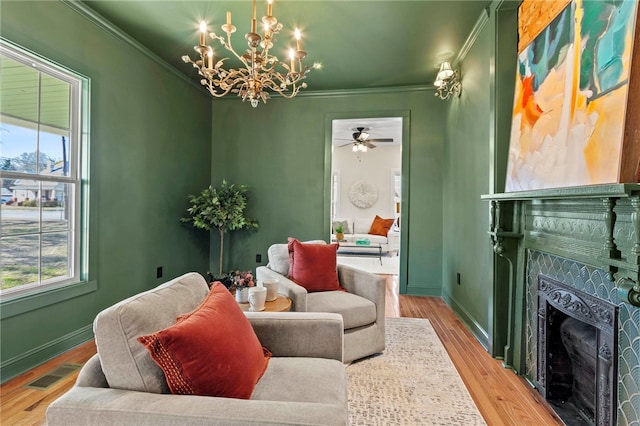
column 278, row 149
column 150, row 144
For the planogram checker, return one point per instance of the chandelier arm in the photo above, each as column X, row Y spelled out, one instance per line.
column 228, row 46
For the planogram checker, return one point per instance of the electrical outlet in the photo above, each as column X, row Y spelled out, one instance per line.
column 159, row 272
column 458, row 278
column 258, row 258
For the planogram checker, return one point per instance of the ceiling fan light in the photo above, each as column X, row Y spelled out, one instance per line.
column 355, row 148
column 363, row 148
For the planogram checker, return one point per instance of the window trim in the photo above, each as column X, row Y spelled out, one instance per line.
column 34, row 297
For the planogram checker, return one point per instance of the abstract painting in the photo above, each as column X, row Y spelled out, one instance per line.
column 571, row 97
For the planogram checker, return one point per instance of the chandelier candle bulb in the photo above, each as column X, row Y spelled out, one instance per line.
column 253, row 21
column 203, row 30
column 298, row 35
column 292, row 56
column 228, row 18
column 269, row 7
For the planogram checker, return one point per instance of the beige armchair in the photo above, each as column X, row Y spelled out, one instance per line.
column 362, row 306
column 305, row 381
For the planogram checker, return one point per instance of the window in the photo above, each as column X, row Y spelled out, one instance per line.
column 40, row 169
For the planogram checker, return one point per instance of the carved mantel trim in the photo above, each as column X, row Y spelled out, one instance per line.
column 597, row 207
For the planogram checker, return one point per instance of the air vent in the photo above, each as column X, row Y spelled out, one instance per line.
column 52, row 377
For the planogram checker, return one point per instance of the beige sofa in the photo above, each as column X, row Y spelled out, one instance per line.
column 359, row 229
column 305, row 381
column 362, row 306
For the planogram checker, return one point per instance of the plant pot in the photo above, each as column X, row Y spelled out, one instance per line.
column 340, row 236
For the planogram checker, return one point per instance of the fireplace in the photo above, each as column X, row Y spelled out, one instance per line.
column 577, row 354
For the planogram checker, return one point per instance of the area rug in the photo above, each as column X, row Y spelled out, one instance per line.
column 390, row 264
column 413, row 382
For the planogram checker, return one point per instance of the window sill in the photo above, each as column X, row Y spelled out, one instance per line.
column 39, row 300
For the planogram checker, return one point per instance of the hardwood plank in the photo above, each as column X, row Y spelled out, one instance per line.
column 502, row 397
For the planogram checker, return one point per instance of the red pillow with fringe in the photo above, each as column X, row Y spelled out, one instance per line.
column 212, row 351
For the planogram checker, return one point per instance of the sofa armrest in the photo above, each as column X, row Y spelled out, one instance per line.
column 91, row 374
column 95, row 406
column 293, row 291
column 365, row 284
column 299, row 334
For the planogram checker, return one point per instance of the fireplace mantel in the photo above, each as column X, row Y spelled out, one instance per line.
column 598, row 225
column 619, row 190
column 586, row 237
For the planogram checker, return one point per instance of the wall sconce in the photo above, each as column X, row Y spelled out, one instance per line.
column 447, row 82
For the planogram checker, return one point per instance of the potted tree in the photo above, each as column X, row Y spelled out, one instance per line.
column 220, row 208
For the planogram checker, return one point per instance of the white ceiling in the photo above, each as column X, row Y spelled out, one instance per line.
column 378, row 128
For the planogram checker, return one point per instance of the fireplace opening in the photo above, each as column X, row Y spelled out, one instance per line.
column 571, row 364
column 577, row 354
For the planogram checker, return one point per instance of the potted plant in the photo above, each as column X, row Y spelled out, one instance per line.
column 339, row 232
column 220, row 208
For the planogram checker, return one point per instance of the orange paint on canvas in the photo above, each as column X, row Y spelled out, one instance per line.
column 602, row 152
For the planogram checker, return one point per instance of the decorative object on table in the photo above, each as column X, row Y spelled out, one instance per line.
column 220, row 208
column 258, row 72
column 572, row 108
column 257, row 297
column 339, row 232
column 363, row 194
column 241, row 282
column 272, row 286
column 363, row 242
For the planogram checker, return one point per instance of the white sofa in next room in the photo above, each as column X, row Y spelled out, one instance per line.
column 358, row 229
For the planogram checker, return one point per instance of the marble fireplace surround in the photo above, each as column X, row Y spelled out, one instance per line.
column 587, row 238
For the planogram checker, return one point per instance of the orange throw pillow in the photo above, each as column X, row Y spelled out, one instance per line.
column 313, row 266
column 380, row 226
column 213, row 351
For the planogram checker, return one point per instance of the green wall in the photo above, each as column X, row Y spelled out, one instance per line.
column 278, row 149
column 150, row 137
column 466, row 245
column 476, row 146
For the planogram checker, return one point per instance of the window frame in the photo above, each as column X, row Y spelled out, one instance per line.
column 76, row 178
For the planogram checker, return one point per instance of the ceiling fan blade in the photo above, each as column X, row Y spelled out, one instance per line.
column 369, row 144
column 340, row 145
column 381, row 140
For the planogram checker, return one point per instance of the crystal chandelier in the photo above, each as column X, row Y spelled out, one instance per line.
column 447, row 82
column 258, row 73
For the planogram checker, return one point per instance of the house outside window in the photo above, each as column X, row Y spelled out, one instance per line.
column 41, row 140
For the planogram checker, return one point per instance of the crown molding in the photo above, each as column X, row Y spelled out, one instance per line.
column 482, row 21
column 108, row 26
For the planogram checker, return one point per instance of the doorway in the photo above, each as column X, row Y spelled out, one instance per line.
column 364, row 178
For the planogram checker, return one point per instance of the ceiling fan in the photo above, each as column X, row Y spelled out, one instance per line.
column 360, row 140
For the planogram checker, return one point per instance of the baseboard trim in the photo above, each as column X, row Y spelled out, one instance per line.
column 424, row 291
column 478, row 332
column 26, row 361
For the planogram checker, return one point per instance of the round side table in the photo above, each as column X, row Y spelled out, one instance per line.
column 281, row 304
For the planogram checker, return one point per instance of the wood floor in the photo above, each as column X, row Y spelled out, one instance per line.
column 502, row 397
